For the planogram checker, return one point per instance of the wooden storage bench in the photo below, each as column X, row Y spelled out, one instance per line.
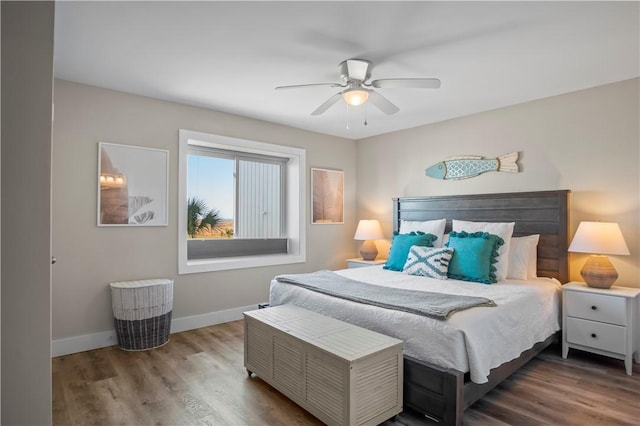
column 341, row 373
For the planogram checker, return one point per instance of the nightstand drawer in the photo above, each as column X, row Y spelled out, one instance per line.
column 597, row 335
column 596, row 307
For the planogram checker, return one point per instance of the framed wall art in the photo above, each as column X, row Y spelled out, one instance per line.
column 133, row 185
column 327, row 196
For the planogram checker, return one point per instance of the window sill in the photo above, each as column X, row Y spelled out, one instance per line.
column 223, row 264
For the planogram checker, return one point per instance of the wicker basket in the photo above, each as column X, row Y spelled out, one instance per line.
column 142, row 312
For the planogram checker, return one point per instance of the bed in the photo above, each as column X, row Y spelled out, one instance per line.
column 447, row 367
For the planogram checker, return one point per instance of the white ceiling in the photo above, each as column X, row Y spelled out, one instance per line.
column 229, row 56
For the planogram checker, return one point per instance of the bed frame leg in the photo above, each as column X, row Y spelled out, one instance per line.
column 453, row 390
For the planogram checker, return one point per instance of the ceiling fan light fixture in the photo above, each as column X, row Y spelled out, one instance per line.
column 355, row 96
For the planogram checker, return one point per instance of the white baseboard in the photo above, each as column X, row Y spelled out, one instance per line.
column 87, row 342
column 212, row 318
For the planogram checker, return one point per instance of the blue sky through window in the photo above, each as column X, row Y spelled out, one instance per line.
column 211, row 179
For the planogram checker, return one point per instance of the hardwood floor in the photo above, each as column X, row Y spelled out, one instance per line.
column 198, row 379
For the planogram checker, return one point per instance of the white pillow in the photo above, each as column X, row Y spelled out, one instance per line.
column 434, row 227
column 523, row 257
column 503, row 230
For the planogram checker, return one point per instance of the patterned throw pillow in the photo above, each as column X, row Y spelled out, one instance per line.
column 428, row 262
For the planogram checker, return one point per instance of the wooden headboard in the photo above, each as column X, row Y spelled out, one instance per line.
column 543, row 212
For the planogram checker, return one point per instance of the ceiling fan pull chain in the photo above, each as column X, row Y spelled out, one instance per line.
column 365, row 114
column 347, row 116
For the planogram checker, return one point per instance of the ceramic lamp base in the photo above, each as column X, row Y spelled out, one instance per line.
column 368, row 251
column 598, row 272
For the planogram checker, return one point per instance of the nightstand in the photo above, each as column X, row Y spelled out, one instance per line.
column 600, row 321
column 361, row 263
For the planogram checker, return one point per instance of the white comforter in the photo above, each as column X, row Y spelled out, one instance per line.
column 475, row 340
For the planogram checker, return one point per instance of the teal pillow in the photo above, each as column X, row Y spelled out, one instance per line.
column 400, row 246
column 474, row 256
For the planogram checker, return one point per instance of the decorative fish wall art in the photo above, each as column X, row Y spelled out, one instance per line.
column 468, row 166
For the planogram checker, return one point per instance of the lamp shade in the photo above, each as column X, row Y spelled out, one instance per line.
column 368, row 230
column 599, row 238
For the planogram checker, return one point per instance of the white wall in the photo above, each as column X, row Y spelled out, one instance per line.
column 27, row 80
column 586, row 141
column 90, row 257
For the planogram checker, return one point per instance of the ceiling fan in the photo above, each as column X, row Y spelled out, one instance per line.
column 355, row 74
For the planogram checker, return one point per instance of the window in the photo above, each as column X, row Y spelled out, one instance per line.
column 241, row 203
column 235, row 204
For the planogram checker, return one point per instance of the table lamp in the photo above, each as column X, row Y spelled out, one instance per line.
column 599, row 239
column 368, row 230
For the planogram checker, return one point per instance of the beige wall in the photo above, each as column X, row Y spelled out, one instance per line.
column 27, row 80
column 586, row 141
column 90, row 257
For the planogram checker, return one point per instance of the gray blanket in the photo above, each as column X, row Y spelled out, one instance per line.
column 434, row 305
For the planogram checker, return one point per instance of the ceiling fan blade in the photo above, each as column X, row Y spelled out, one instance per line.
column 382, row 103
column 413, row 83
column 358, row 69
column 297, row 86
column 327, row 104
